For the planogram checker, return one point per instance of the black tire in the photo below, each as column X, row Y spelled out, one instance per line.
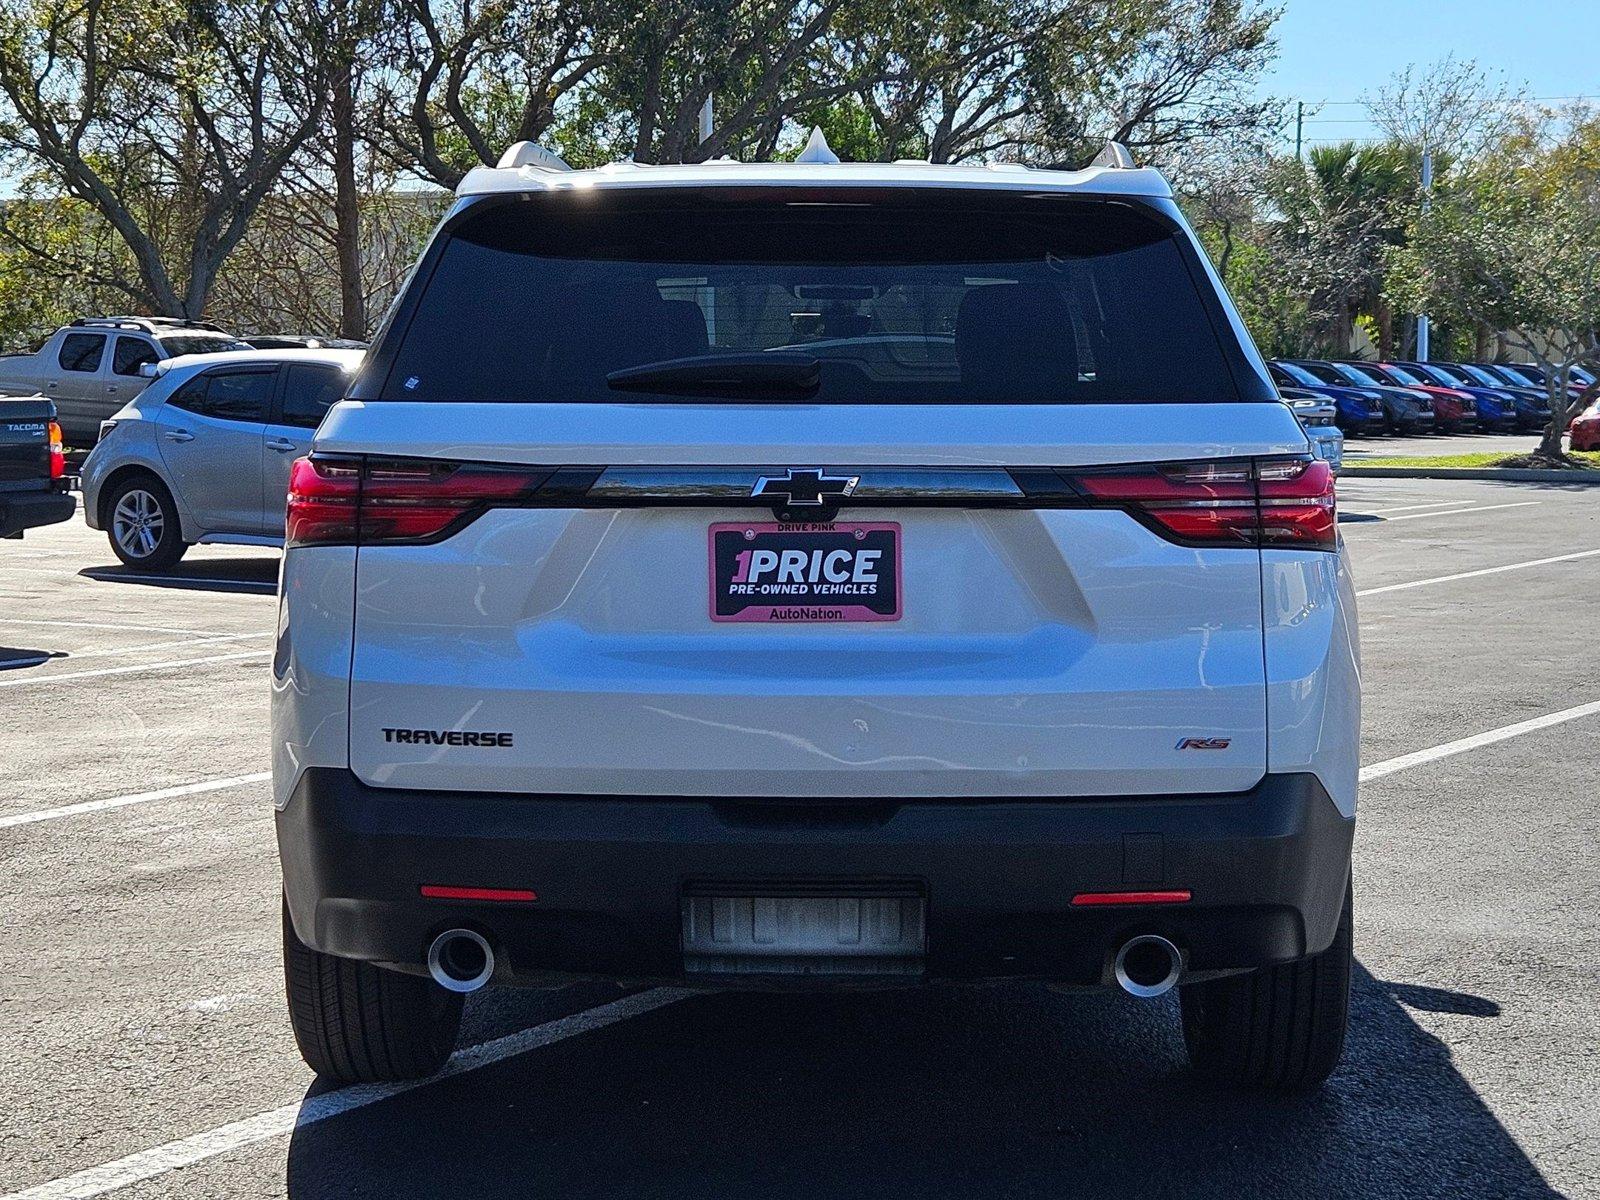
column 1278, row 1028
column 357, row 1023
column 141, row 523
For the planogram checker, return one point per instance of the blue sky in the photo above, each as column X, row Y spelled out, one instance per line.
column 1334, row 50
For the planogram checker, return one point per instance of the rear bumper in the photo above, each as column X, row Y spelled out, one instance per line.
column 28, row 510
column 1267, row 869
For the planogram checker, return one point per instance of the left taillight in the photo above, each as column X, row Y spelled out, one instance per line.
column 364, row 501
column 58, row 452
column 1267, row 502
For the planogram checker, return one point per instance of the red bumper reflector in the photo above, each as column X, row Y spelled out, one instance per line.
column 1172, row 897
column 434, row 891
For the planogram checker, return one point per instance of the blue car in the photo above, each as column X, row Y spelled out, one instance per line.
column 1497, row 407
column 1405, row 410
column 1531, row 404
column 1360, row 410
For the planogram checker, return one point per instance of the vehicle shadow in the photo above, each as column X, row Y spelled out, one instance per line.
column 256, row 576
column 1008, row 1091
column 15, row 658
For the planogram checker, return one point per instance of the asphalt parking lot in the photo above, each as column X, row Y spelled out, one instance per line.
column 147, row 1052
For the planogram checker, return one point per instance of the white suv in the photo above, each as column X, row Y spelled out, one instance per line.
column 815, row 574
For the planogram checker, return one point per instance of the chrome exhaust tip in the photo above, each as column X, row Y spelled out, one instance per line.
column 460, row 960
column 1148, row 966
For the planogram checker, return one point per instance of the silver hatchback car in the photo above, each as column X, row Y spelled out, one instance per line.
column 203, row 453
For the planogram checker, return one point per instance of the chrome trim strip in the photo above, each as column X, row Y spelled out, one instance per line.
column 735, row 484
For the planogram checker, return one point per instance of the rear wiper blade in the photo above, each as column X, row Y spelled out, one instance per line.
column 763, row 373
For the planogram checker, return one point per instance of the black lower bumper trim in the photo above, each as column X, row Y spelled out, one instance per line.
column 29, row 510
column 1267, row 870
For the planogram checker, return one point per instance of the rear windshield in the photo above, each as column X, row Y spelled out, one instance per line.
column 987, row 297
column 173, row 345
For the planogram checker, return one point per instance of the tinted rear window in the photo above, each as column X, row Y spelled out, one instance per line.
column 174, row 345
column 992, row 297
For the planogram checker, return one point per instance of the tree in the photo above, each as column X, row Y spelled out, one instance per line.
column 172, row 120
column 1450, row 106
column 1509, row 243
column 1046, row 81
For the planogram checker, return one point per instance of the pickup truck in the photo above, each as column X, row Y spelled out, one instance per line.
column 92, row 367
column 33, row 469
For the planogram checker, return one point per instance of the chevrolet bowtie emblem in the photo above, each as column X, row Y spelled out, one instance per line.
column 804, row 487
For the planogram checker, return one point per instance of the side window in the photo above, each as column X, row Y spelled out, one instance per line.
column 81, row 351
column 227, row 395
column 130, row 354
column 308, row 392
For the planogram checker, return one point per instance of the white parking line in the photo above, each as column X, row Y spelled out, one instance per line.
column 121, row 628
column 114, row 651
column 159, row 1160
column 11, row 820
column 68, row 676
column 1456, row 512
column 1532, row 562
column 1379, row 512
column 1390, row 765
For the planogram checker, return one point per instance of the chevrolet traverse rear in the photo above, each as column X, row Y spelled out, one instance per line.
column 811, row 575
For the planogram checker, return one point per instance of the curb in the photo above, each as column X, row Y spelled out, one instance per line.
column 1511, row 474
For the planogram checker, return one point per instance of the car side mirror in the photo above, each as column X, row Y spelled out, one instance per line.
column 147, row 370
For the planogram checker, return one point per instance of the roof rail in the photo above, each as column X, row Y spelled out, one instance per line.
column 1116, row 156
column 145, row 324
column 111, row 323
column 528, row 154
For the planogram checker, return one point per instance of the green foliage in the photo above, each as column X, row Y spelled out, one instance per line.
column 1509, row 243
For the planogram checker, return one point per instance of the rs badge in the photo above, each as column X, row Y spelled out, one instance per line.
column 1193, row 743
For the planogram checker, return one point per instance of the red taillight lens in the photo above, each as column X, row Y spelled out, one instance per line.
column 405, row 501
column 1297, row 504
column 58, row 452
column 1275, row 502
column 334, row 500
column 322, row 501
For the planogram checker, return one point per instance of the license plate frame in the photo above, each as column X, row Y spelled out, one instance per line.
column 819, row 595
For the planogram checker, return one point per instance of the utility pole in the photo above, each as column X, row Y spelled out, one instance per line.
column 1299, row 126
column 1427, row 203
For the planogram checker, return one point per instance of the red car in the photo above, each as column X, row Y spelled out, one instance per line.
column 1453, row 411
column 1586, row 428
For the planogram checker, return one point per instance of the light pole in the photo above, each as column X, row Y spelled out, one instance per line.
column 1427, row 202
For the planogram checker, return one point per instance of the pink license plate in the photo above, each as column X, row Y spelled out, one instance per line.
column 807, row 572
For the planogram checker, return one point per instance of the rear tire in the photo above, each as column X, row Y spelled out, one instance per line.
column 358, row 1023
column 141, row 522
column 1278, row 1028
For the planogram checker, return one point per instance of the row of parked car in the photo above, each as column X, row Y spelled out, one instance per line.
column 1431, row 397
column 193, row 430
column 93, row 366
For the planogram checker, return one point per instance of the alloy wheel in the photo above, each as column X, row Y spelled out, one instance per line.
column 137, row 522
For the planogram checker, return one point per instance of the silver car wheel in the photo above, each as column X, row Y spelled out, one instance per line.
column 137, row 523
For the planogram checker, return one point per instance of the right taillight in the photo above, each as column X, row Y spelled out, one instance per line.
column 1297, row 503
column 1269, row 502
column 365, row 501
column 58, row 451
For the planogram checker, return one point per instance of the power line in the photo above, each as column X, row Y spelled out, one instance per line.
column 1321, row 104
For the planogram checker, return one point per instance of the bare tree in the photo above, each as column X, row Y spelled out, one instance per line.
column 1456, row 107
column 171, row 120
